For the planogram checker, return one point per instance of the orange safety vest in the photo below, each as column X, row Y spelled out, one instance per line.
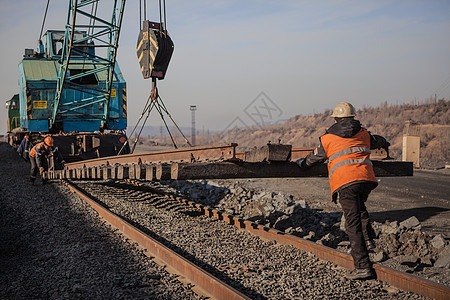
column 348, row 159
column 33, row 150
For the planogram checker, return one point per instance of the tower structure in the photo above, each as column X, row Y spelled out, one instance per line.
column 193, row 108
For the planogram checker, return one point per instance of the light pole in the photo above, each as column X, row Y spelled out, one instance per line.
column 193, row 108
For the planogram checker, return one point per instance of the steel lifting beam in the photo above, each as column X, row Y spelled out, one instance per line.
column 226, row 170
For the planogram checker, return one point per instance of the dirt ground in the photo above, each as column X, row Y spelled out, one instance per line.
column 425, row 195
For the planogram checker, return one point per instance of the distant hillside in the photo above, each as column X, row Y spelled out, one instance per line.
column 386, row 120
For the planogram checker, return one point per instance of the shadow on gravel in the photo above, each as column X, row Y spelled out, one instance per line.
column 421, row 213
column 58, row 253
column 205, row 266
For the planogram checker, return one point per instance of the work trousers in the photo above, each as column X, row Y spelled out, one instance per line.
column 357, row 223
column 34, row 168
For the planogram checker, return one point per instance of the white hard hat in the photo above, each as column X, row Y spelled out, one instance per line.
column 344, row 110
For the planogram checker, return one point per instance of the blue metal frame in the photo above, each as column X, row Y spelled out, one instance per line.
column 77, row 50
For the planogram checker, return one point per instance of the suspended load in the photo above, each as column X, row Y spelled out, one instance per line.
column 154, row 50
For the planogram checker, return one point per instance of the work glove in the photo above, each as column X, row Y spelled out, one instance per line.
column 334, row 198
column 41, row 171
column 63, row 163
column 301, row 163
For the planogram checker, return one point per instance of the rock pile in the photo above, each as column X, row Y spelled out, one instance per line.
column 398, row 244
column 406, row 243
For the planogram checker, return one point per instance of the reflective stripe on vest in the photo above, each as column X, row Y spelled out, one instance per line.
column 348, row 151
column 348, row 162
column 348, row 159
column 33, row 151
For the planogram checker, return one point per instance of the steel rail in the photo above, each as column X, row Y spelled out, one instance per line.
column 398, row 279
column 191, row 154
column 204, row 283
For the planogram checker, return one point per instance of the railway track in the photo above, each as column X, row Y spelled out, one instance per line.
column 203, row 283
column 275, row 267
column 217, row 161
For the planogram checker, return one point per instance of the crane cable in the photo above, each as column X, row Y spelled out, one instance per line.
column 162, row 11
column 43, row 21
column 142, row 12
column 154, row 100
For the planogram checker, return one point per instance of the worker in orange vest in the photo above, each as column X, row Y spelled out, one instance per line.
column 39, row 155
column 346, row 145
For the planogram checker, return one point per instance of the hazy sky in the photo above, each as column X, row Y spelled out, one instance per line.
column 257, row 61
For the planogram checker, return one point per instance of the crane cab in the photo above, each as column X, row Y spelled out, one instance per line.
column 38, row 74
column 52, row 44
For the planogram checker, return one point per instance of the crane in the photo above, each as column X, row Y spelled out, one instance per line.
column 72, row 88
column 85, row 32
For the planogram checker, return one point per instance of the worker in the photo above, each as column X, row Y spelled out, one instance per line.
column 25, row 147
column 39, row 155
column 346, row 145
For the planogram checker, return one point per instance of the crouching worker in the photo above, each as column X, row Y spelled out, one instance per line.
column 347, row 146
column 39, row 155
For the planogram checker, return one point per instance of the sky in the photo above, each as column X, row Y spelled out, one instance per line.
column 258, row 62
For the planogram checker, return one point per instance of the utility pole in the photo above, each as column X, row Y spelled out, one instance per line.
column 193, row 108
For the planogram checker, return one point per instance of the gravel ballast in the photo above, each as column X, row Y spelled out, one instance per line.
column 260, row 269
column 401, row 245
column 54, row 246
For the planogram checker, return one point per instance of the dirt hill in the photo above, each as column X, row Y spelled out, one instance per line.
column 433, row 119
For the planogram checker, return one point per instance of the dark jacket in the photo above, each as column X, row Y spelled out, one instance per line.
column 24, row 148
column 345, row 128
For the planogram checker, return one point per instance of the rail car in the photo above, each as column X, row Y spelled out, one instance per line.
column 81, row 125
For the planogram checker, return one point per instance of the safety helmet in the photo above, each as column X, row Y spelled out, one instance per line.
column 344, row 110
column 48, row 141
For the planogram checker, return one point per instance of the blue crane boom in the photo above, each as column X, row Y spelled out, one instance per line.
column 81, row 66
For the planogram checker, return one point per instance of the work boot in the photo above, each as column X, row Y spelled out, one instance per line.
column 361, row 274
column 32, row 180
